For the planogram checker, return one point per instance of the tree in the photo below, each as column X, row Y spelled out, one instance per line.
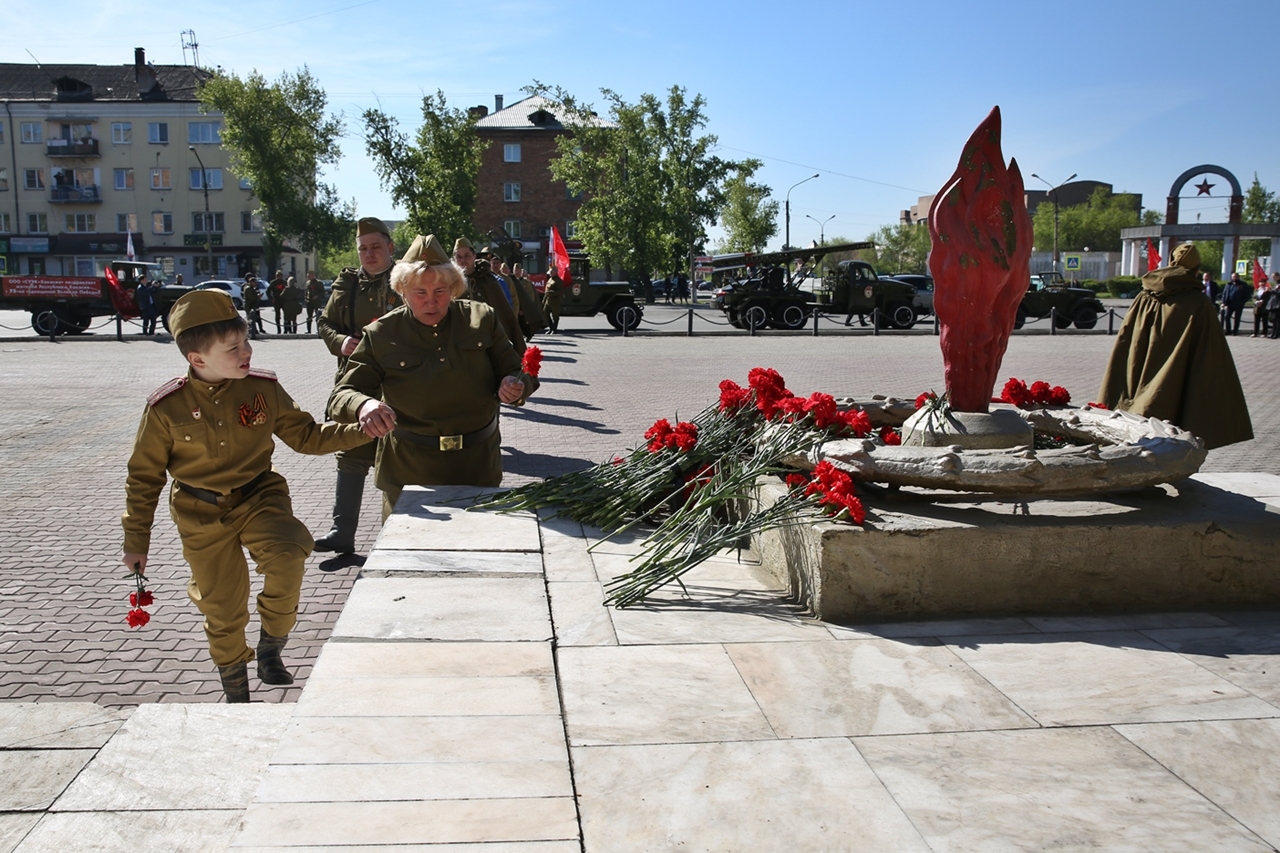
column 902, row 248
column 651, row 187
column 433, row 177
column 749, row 216
column 1260, row 206
column 1095, row 224
column 278, row 136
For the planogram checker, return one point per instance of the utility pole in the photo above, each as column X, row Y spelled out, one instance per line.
column 208, row 226
column 1053, row 191
column 787, row 239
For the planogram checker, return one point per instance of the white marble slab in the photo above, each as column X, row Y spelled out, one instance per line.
column 1255, row 484
column 1235, row 763
column 834, row 688
column 421, row 822
column 419, row 740
column 1102, row 678
column 564, row 550
column 337, row 783
column 500, row 847
column 14, row 827
column 181, row 757
column 656, row 694
column 1060, row 789
column 579, row 615
column 432, row 660
column 60, row 725
column 714, row 611
column 436, row 519
column 186, row 831
column 31, row 779
column 930, row 628
column 798, row 795
column 428, row 697
column 1247, row 657
column 490, row 609
column 447, row 563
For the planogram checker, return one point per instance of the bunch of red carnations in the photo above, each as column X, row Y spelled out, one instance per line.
column 138, row 599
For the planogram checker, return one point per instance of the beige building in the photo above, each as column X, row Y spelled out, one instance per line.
column 95, row 156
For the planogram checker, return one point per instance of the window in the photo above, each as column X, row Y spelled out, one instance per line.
column 5, row 224
column 511, row 152
column 158, row 133
column 571, row 193
column 512, row 227
column 203, row 133
column 127, row 222
column 122, row 132
column 245, row 185
column 162, row 223
column 85, row 267
column 202, row 223
column 571, row 229
column 124, row 179
column 32, row 132
column 213, row 176
column 160, row 179
column 1, row 132
column 82, row 222
column 4, row 179
column 37, row 223
column 250, row 221
column 33, row 179
column 511, row 191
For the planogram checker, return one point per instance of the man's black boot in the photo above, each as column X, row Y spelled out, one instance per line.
column 346, row 514
column 235, row 682
column 270, row 668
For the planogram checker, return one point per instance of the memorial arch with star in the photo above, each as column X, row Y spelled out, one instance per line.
column 1173, row 232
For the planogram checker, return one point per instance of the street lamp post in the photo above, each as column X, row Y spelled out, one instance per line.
column 822, row 227
column 1053, row 191
column 204, row 183
column 786, row 243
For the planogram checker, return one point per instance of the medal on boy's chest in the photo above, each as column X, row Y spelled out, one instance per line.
column 255, row 415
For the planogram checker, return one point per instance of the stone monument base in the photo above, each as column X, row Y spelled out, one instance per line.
column 1212, row 540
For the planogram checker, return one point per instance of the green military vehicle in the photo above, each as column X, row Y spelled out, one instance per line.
column 1049, row 293
column 586, row 298
column 854, row 287
column 767, row 292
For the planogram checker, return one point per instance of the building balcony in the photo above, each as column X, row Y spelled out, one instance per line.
column 76, row 195
column 72, row 147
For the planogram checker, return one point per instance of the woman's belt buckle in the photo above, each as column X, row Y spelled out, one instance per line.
column 450, row 442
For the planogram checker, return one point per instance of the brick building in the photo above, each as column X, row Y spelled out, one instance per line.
column 515, row 190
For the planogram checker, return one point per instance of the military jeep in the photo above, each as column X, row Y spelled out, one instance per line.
column 853, row 287
column 1049, row 293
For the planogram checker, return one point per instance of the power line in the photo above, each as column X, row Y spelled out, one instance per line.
column 827, row 171
column 295, row 20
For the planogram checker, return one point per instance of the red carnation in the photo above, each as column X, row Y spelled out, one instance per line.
column 1059, row 396
column 890, row 436
column 146, row 598
column 657, row 434
column 855, row 421
column 684, row 436
column 1097, row 406
column 137, row 618
column 733, row 396
column 925, row 398
column 1016, row 392
column 795, row 481
column 531, row 364
column 1040, row 392
column 822, row 407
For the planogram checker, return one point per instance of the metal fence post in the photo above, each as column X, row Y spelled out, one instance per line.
column 1111, row 321
column 1053, row 321
column 936, row 330
column 875, row 322
column 690, row 323
column 815, row 322
column 119, row 329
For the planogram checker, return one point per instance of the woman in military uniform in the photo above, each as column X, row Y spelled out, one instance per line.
column 428, row 377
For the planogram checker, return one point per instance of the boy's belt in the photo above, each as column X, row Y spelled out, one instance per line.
column 225, row 501
column 449, row 442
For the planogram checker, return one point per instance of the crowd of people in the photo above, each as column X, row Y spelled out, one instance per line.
column 1231, row 299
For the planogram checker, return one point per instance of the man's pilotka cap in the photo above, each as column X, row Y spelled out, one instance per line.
column 425, row 249
column 461, row 243
column 199, row 308
column 372, row 225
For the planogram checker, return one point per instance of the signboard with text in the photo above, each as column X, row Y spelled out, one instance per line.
column 52, row 287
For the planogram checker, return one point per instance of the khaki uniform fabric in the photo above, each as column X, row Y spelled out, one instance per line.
column 482, row 286
column 551, row 297
column 440, row 380
column 219, row 438
column 1171, row 361
column 372, row 297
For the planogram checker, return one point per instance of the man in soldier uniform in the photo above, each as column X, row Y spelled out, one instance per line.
column 357, row 298
column 551, row 297
column 214, row 431
column 483, row 286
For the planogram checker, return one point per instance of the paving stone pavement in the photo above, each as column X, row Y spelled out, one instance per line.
column 66, row 435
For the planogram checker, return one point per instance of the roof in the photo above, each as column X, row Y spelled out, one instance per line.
column 533, row 113
column 89, row 83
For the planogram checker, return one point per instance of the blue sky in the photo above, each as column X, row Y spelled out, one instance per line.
column 876, row 97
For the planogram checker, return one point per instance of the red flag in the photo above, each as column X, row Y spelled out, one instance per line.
column 560, row 257
column 1259, row 275
column 1153, row 257
column 121, row 301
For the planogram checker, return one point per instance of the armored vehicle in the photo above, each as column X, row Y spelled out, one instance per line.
column 1049, row 293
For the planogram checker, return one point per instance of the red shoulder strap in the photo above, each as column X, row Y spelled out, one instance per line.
column 166, row 389
column 260, row 373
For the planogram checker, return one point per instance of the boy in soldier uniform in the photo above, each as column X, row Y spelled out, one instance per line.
column 212, row 432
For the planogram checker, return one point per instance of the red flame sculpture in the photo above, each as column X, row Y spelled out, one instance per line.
column 981, row 265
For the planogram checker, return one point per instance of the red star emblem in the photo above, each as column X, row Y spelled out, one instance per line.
column 1204, row 186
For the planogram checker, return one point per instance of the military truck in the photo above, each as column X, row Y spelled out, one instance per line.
column 66, row 305
column 1049, row 293
column 765, row 290
column 854, row 287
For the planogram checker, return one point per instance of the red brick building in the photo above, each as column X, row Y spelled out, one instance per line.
column 515, row 190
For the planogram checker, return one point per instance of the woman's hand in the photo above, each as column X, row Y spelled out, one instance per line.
column 511, row 390
column 376, row 418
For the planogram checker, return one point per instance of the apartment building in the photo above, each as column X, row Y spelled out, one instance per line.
column 93, row 157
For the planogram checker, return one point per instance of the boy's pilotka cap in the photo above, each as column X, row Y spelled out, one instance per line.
column 200, row 307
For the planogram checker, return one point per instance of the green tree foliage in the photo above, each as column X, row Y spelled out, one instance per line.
column 1210, row 257
column 901, row 248
column 651, row 186
column 279, row 135
column 749, row 216
column 434, row 176
column 1260, row 206
column 1095, row 224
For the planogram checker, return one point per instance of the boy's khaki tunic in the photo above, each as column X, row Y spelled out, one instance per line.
column 373, row 297
column 197, row 432
column 440, row 380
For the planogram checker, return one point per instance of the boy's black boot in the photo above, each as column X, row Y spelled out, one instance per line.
column 270, row 668
column 235, row 682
